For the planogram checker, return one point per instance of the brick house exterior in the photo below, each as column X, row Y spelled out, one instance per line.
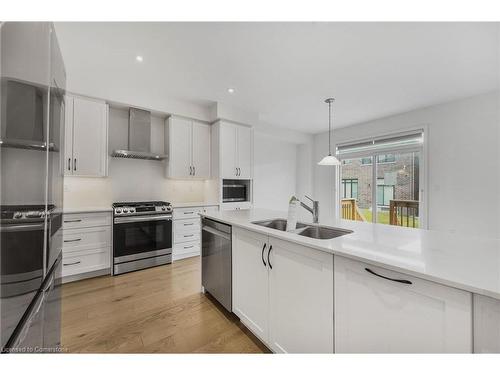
column 397, row 178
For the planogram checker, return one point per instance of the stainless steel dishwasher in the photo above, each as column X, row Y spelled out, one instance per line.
column 216, row 261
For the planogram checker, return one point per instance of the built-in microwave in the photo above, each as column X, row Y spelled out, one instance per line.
column 235, row 191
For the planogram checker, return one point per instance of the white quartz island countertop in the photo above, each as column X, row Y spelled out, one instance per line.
column 77, row 210
column 468, row 263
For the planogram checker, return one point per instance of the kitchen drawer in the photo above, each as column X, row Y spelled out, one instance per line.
column 86, row 239
column 86, row 219
column 186, row 213
column 210, row 209
column 187, row 236
column 187, row 225
column 186, row 249
column 86, row 261
column 235, row 206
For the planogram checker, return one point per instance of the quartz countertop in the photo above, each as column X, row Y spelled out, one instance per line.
column 193, row 204
column 76, row 210
column 468, row 263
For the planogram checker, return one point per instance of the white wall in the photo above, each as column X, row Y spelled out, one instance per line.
column 275, row 172
column 463, row 162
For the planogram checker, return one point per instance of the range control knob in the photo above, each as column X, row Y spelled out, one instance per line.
column 163, row 208
column 17, row 215
column 118, row 210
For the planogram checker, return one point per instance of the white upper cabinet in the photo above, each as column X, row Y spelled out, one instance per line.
column 232, row 151
column 179, row 148
column 201, row 150
column 188, row 147
column 228, row 150
column 86, row 137
column 283, row 293
column 244, row 146
column 382, row 311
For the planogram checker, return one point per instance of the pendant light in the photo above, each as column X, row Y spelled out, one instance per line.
column 329, row 159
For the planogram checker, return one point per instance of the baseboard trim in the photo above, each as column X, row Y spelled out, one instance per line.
column 86, row 275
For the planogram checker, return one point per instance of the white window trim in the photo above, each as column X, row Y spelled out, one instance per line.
column 423, row 171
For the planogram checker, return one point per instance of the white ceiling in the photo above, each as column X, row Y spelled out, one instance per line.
column 284, row 71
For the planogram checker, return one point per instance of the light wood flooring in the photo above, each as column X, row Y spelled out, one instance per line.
column 158, row 310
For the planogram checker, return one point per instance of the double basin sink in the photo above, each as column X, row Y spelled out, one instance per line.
column 307, row 230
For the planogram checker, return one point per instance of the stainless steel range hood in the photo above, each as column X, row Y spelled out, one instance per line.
column 139, row 137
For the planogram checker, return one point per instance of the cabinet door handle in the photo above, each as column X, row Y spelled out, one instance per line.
column 388, row 278
column 69, row 164
column 262, row 255
column 194, row 170
column 71, row 264
column 73, row 221
column 188, row 224
column 74, row 164
column 188, row 235
column 75, row 240
column 269, row 253
column 188, row 247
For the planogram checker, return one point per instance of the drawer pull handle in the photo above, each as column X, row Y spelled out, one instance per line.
column 73, row 221
column 75, row 240
column 188, row 247
column 408, row 282
column 189, row 213
column 71, row 264
column 188, row 224
column 188, row 235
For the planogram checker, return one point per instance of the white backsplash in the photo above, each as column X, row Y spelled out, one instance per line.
column 133, row 180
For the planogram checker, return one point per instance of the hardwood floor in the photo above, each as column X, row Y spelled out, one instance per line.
column 158, row 310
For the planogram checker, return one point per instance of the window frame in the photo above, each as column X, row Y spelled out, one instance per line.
column 423, row 149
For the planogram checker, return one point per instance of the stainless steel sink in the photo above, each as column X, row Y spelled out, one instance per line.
column 322, row 233
column 278, row 224
column 312, row 231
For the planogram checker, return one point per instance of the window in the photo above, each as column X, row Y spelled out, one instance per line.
column 350, row 188
column 384, row 176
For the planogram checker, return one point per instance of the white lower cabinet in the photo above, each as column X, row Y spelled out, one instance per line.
column 250, row 281
column 301, row 299
column 86, row 244
column 486, row 325
column 283, row 293
column 382, row 311
column 186, row 231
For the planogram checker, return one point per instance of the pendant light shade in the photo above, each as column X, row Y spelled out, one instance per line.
column 329, row 159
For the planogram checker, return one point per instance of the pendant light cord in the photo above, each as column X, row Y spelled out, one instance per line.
column 329, row 127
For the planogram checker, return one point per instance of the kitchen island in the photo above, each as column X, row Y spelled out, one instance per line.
column 439, row 291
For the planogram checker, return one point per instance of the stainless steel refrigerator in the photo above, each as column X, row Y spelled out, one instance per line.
column 33, row 82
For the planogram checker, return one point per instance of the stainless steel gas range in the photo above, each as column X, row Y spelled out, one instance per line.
column 142, row 235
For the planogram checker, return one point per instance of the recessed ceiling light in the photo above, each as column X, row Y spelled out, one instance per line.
column 230, row 90
column 139, row 58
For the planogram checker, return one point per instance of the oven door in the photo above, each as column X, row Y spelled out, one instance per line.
column 22, row 271
column 141, row 237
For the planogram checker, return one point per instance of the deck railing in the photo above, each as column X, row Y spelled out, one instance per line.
column 350, row 210
column 403, row 213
